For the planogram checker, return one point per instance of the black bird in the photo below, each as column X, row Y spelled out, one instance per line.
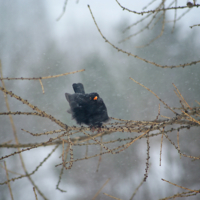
column 88, row 109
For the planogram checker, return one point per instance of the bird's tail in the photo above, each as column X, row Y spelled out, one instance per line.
column 78, row 88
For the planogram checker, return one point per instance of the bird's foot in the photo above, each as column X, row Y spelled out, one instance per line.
column 93, row 129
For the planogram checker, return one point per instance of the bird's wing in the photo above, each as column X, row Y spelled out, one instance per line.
column 67, row 96
column 77, row 99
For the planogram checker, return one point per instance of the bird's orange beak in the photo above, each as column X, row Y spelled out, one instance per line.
column 95, row 98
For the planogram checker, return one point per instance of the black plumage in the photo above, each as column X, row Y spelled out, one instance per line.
column 88, row 109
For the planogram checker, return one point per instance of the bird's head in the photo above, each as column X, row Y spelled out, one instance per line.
column 93, row 96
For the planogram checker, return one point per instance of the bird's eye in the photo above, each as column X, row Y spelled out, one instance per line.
column 95, row 98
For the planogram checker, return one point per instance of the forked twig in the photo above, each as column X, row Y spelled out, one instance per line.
column 95, row 196
column 112, row 196
column 154, row 95
column 197, row 191
column 130, row 54
column 8, row 183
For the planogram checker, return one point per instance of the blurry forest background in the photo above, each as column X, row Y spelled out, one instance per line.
column 35, row 44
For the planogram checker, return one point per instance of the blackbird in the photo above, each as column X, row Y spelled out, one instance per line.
column 88, row 109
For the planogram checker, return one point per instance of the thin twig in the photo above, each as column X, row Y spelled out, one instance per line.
column 95, row 196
